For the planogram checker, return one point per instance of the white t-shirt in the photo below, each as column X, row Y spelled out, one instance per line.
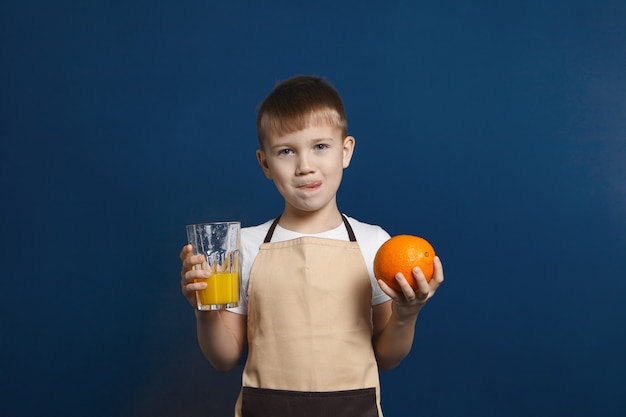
column 369, row 238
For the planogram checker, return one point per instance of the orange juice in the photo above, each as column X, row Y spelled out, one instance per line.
column 222, row 288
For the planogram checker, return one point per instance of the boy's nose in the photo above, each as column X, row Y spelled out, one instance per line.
column 304, row 166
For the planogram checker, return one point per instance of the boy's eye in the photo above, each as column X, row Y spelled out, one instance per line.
column 284, row 152
column 321, row 146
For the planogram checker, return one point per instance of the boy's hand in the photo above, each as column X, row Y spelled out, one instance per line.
column 188, row 274
column 410, row 301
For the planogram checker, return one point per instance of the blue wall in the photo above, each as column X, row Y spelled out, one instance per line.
column 495, row 129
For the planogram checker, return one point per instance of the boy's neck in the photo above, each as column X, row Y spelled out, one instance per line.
column 310, row 222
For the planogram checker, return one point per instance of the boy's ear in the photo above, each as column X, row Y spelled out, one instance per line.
column 260, row 157
column 348, row 149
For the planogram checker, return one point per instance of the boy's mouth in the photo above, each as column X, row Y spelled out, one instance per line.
column 309, row 186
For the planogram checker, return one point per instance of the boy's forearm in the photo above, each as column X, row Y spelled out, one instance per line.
column 218, row 343
column 394, row 342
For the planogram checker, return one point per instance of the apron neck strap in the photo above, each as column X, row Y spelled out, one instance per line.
column 351, row 235
column 270, row 232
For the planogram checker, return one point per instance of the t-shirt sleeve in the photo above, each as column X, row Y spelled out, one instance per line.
column 372, row 239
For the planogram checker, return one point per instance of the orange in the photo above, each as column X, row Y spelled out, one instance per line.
column 402, row 253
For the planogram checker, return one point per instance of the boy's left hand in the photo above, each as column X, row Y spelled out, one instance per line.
column 411, row 301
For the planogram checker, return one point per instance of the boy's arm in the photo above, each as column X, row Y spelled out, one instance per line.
column 394, row 321
column 221, row 334
column 222, row 337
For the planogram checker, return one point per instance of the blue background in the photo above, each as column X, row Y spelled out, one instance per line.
column 497, row 130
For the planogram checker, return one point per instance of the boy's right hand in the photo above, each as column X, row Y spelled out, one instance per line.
column 188, row 274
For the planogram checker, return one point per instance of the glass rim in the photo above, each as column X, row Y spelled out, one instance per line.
column 212, row 223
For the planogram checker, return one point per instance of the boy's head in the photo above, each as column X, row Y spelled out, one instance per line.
column 298, row 103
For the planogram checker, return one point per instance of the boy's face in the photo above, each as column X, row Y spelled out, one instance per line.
column 307, row 166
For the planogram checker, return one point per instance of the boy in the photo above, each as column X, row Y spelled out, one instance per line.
column 317, row 324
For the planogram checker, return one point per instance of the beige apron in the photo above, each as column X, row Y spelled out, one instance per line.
column 309, row 331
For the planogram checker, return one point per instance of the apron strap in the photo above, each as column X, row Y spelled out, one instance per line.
column 270, row 232
column 351, row 235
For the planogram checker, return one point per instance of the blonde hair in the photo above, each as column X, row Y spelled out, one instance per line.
column 298, row 103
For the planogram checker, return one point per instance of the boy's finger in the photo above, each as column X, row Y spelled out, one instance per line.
column 192, row 260
column 438, row 275
column 185, row 251
column 196, row 274
column 407, row 291
column 387, row 289
column 422, row 288
column 195, row 286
